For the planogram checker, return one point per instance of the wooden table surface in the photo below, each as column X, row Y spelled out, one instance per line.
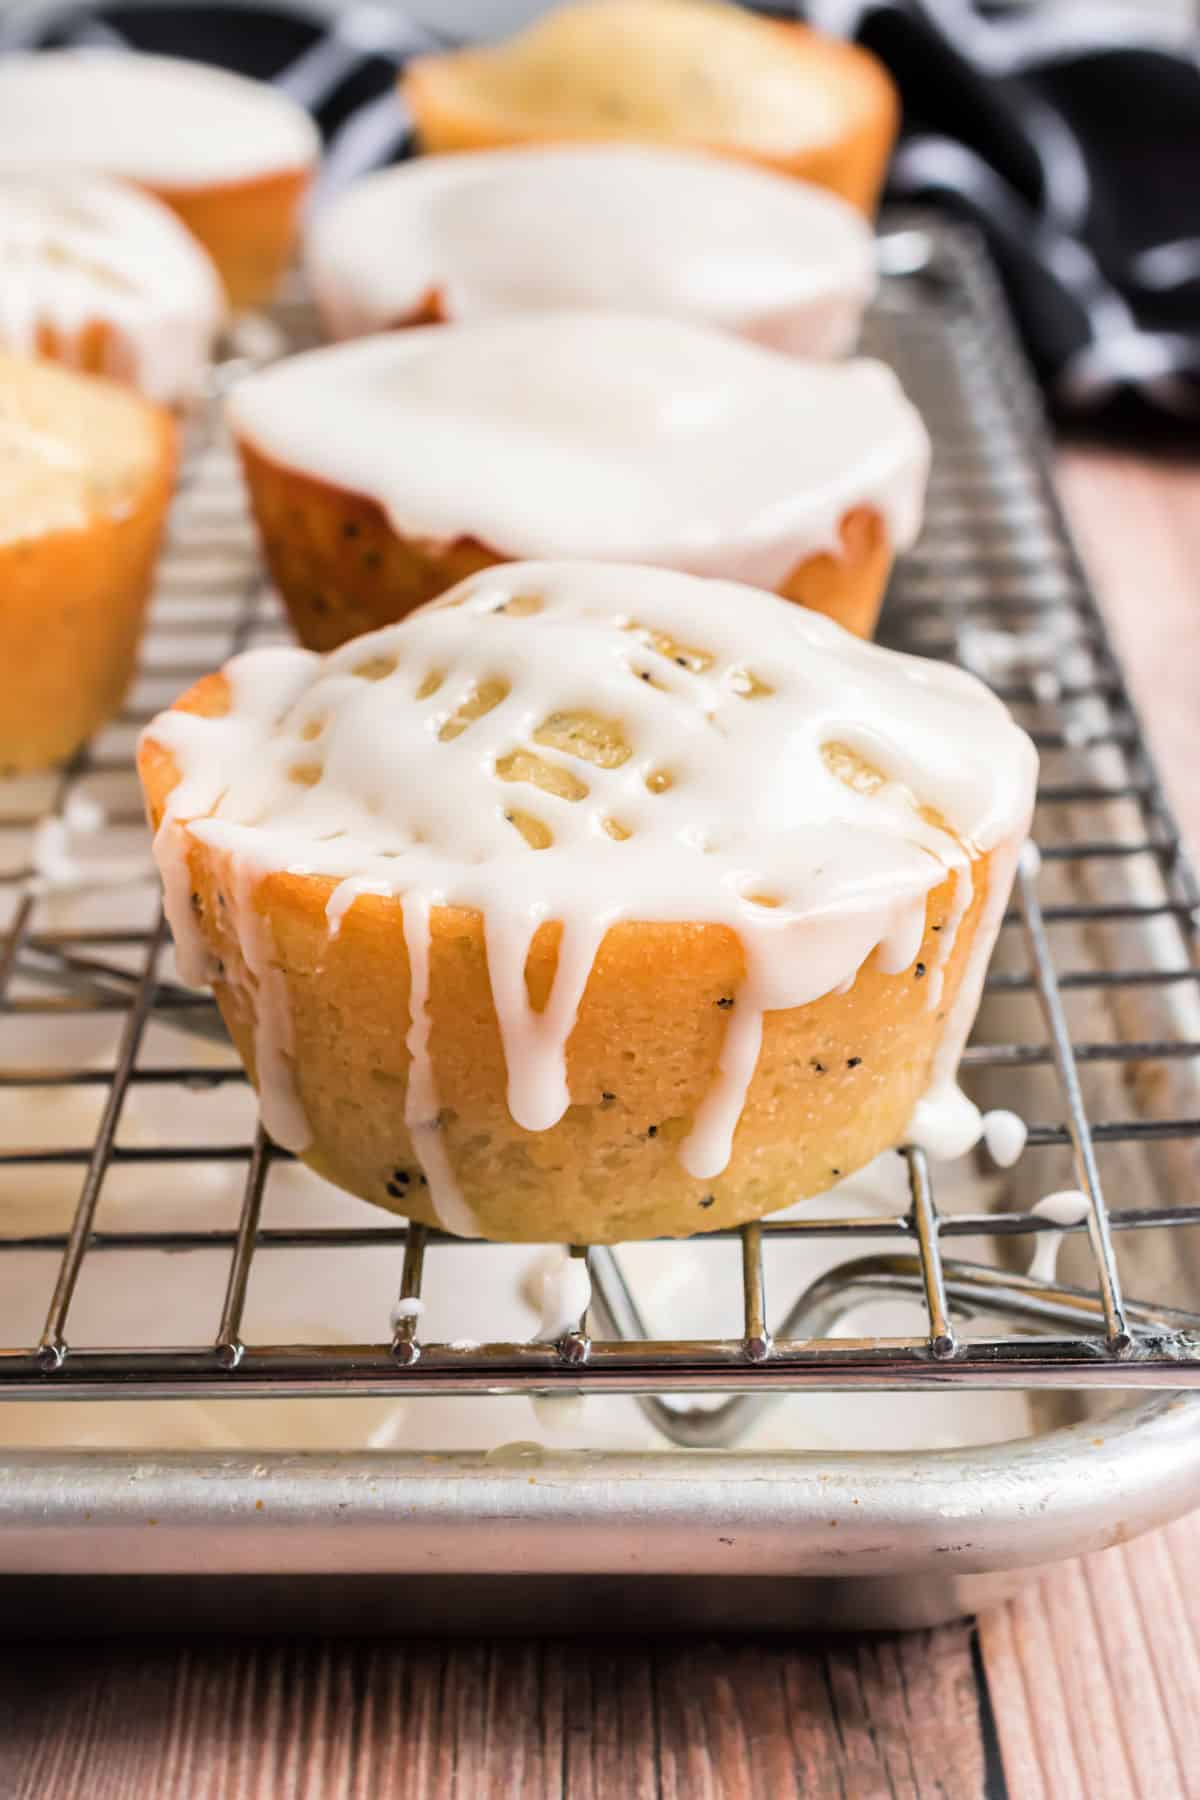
column 1085, row 1687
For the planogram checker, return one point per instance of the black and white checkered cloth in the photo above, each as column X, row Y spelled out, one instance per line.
column 1070, row 135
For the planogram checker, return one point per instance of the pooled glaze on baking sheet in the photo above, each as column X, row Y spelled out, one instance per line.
column 585, row 435
column 78, row 249
column 607, row 226
column 591, row 745
column 161, row 120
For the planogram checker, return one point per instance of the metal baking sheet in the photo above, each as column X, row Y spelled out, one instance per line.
column 219, row 1318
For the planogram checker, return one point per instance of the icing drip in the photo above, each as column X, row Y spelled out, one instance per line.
column 535, row 1043
column 282, row 1114
column 566, row 1294
column 409, row 1308
column 79, row 249
column 260, row 686
column 1069, row 1207
column 605, row 226
column 557, row 1412
column 586, row 745
column 585, row 435
column 421, row 1113
column 707, row 1148
column 946, row 1124
column 161, row 120
column 1004, row 1133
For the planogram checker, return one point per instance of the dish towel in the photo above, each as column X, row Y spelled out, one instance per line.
column 1070, row 136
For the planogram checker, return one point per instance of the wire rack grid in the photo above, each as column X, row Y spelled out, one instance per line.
column 994, row 582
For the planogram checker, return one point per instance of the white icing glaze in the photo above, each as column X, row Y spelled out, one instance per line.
column 83, row 814
column 160, row 120
column 585, row 435
column 1004, row 1133
column 608, row 226
column 78, row 248
column 752, row 828
column 1068, row 1207
column 556, row 1413
column 566, row 1294
column 405, row 1308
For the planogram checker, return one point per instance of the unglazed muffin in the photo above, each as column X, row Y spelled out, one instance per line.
column 384, row 470
column 592, row 902
column 231, row 156
column 685, row 72
column 622, row 227
column 86, row 468
column 99, row 275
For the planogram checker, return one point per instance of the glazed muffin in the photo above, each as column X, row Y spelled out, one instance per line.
column 685, row 72
column 609, row 226
column 592, row 902
column 384, row 470
column 86, row 468
column 231, row 156
column 101, row 276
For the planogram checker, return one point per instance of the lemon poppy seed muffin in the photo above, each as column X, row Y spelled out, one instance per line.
column 686, row 72
column 621, row 227
column 105, row 278
column 86, row 468
column 382, row 471
column 231, row 156
column 592, row 902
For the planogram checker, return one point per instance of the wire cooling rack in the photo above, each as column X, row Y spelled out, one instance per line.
column 1091, row 1022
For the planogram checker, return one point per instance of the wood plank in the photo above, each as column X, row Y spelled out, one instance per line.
column 675, row 1719
column 1093, row 1674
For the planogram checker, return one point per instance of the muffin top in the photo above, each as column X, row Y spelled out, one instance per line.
column 607, row 226
column 71, row 446
column 666, row 69
column 78, row 248
column 160, row 120
column 593, row 744
column 585, row 435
